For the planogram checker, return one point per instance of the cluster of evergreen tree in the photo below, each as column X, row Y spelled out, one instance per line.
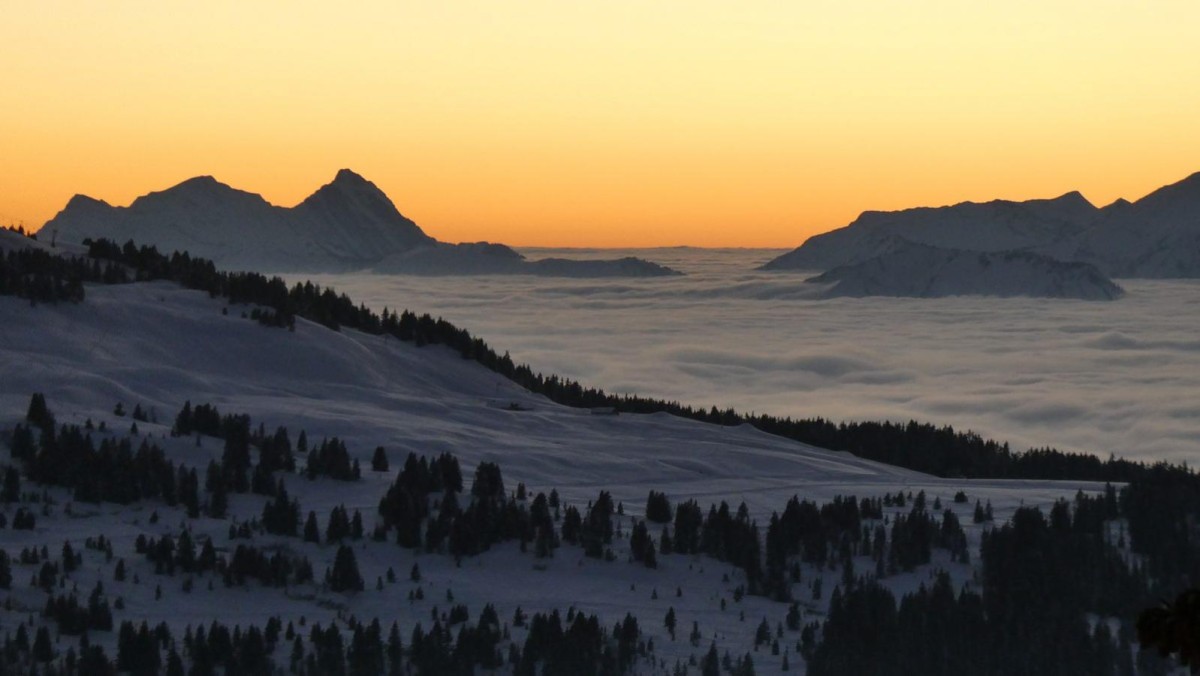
column 273, row 318
column 110, row 472
column 424, row 507
column 274, row 451
column 45, row 277
column 172, row 555
column 139, row 650
column 169, row 554
column 1163, row 516
column 541, row 520
column 1043, row 577
column 489, row 517
column 734, row 538
column 913, row 537
column 217, row 649
column 658, row 507
column 281, row 514
column 596, row 527
column 280, row 569
column 458, row 646
column 21, row 655
column 203, row 419
column 339, row 527
column 330, row 458
column 641, row 545
column 73, row 618
column 578, row 646
column 688, row 519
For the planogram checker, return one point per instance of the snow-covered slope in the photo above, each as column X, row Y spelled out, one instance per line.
column 156, row 345
column 348, row 224
column 161, row 345
column 915, row 270
column 999, row 225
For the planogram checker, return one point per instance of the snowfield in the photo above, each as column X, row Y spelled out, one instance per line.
column 157, row 346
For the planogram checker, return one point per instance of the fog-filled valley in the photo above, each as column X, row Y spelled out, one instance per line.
column 1116, row 377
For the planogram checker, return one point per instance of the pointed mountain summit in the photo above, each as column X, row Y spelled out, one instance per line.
column 347, row 224
column 350, row 177
column 358, row 221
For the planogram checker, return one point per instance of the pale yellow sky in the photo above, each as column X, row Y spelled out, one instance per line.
column 619, row 123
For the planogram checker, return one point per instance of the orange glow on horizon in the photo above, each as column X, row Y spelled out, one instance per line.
column 618, row 124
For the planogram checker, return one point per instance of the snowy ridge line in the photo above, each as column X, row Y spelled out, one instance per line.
column 918, row 446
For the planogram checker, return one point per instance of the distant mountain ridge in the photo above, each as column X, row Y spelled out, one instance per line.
column 922, row 271
column 1156, row 236
column 347, row 224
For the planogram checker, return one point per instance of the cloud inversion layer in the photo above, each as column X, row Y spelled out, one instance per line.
column 1104, row 378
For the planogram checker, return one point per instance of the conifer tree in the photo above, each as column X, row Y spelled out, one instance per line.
column 345, row 576
column 43, row 649
column 5, row 571
column 311, row 532
column 38, row 413
column 11, row 491
column 379, row 461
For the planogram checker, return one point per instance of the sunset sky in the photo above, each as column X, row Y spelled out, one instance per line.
column 613, row 123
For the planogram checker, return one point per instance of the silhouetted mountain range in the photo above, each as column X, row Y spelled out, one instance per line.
column 1156, row 236
column 347, row 224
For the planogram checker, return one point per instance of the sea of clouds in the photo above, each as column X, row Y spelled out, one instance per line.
column 1118, row 377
